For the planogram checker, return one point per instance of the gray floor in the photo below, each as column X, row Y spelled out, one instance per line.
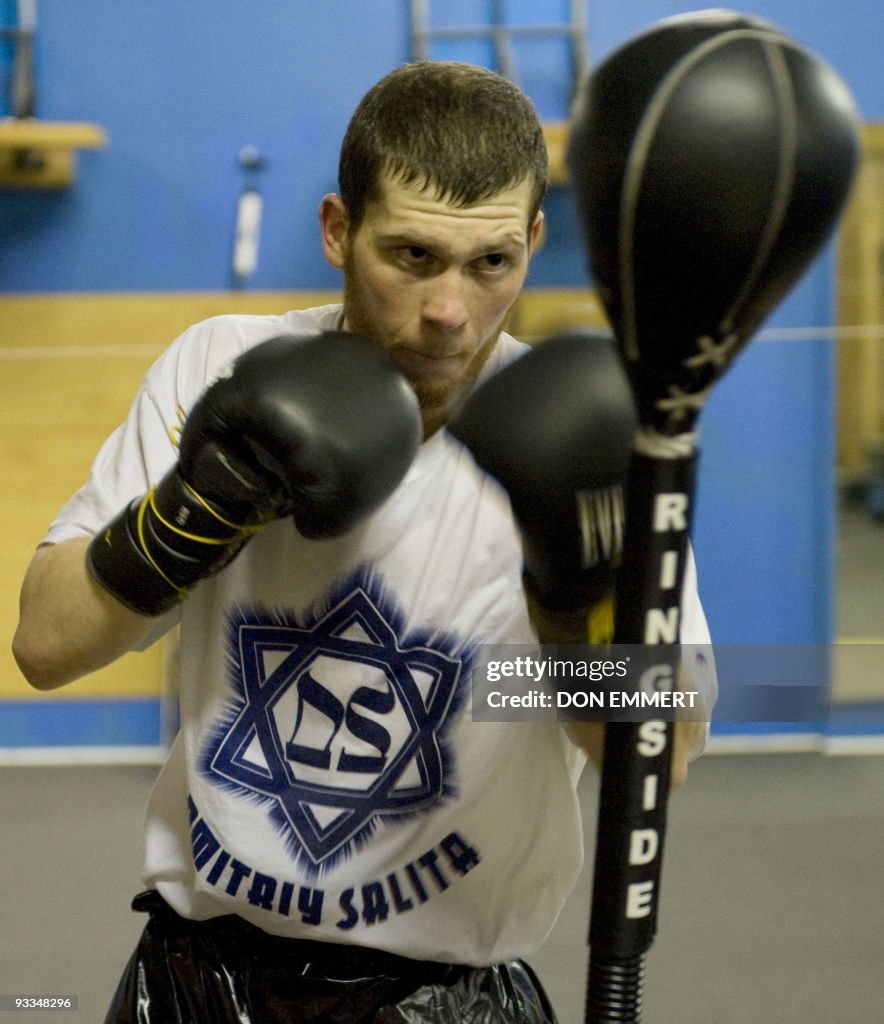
column 772, row 905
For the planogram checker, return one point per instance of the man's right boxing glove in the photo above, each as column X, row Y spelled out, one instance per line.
column 320, row 428
column 555, row 428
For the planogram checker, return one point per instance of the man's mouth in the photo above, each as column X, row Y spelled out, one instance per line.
column 422, row 362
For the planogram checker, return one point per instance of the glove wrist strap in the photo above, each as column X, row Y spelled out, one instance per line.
column 152, row 553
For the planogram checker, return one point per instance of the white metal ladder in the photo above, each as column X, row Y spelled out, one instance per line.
column 502, row 34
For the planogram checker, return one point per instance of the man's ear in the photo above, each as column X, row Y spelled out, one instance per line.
column 333, row 225
column 535, row 235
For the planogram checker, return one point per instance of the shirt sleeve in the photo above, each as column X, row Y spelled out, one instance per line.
column 698, row 660
column 143, row 448
column 135, row 456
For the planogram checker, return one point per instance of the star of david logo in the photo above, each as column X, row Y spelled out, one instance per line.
column 337, row 725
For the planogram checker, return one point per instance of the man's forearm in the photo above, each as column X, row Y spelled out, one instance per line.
column 68, row 625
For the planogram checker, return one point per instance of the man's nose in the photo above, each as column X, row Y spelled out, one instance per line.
column 444, row 303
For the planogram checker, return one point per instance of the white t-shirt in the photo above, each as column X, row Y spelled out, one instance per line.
column 328, row 781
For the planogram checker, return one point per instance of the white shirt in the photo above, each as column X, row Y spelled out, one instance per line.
column 328, row 781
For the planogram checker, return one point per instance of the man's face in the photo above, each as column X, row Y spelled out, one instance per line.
column 432, row 282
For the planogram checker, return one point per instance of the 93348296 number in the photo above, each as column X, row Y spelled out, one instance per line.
column 38, row 1002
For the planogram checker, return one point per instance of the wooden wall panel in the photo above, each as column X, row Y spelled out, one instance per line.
column 861, row 314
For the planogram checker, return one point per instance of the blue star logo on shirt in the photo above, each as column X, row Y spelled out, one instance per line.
column 338, row 722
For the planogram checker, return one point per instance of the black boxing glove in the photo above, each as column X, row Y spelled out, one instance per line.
column 555, row 428
column 321, row 429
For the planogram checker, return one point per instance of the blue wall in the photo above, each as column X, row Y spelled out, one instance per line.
column 180, row 87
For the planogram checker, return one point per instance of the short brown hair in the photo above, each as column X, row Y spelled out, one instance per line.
column 458, row 128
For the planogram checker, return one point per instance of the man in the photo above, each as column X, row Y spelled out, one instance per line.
column 331, row 837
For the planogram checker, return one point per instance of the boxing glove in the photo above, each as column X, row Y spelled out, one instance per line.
column 321, row 429
column 555, row 429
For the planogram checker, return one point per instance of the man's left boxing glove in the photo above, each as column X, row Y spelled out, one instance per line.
column 321, row 428
column 555, row 428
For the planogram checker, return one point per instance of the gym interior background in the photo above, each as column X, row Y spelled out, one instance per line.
column 124, row 236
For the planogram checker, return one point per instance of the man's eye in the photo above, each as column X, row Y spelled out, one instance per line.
column 415, row 255
column 493, row 262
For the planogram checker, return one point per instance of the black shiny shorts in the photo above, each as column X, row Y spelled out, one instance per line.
column 227, row 971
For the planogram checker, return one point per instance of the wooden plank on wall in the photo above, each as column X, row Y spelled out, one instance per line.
column 121, row 318
column 861, row 302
